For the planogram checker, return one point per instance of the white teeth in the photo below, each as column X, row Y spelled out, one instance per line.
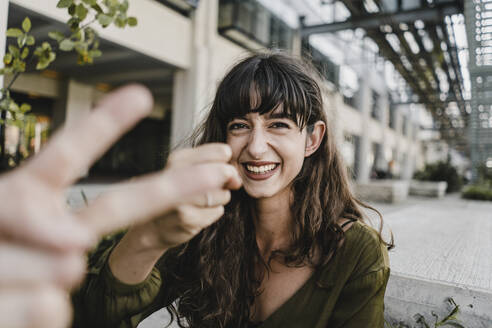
column 260, row 169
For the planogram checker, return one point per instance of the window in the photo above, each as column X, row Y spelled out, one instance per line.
column 375, row 110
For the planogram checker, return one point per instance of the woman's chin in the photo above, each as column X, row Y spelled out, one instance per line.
column 258, row 194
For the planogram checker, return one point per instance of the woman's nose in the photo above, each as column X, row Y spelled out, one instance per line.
column 257, row 143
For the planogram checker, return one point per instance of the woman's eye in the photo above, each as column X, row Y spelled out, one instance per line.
column 237, row 126
column 279, row 125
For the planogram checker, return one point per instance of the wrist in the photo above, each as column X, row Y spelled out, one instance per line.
column 133, row 259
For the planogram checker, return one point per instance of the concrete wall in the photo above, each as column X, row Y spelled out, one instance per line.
column 194, row 88
column 407, row 296
column 158, row 27
column 4, row 12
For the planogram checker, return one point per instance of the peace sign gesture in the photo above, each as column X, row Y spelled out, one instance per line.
column 42, row 243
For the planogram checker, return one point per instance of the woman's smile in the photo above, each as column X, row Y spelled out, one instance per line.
column 260, row 170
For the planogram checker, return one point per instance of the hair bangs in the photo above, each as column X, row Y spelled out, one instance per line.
column 261, row 86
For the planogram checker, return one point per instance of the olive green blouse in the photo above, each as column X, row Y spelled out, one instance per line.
column 348, row 292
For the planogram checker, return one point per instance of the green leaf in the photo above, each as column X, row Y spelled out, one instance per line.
column 55, row 35
column 38, row 51
column 51, row 56
column 71, row 9
column 46, row 46
column 120, row 21
column 67, row 45
column 25, row 53
column 81, row 11
column 14, row 50
column 73, row 23
column 64, row 3
column 80, row 47
column 104, row 20
column 42, row 64
column 14, row 32
column 25, row 107
column 6, row 70
column 95, row 53
column 97, row 8
column 132, row 21
column 7, row 59
column 13, row 106
column 90, row 2
column 30, row 40
column 26, row 24
column 21, row 41
column 19, row 65
column 123, row 7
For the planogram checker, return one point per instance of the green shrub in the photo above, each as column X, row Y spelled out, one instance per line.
column 441, row 171
column 479, row 192
column 484, row 175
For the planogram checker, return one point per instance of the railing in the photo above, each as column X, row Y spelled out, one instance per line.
column 249, row 24
column 184, row 7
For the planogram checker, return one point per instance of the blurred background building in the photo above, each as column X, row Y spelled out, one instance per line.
column 407, row 82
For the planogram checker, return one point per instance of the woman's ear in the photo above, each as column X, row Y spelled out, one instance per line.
column 314, row 137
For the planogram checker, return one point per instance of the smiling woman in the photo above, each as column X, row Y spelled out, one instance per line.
column 291, row 248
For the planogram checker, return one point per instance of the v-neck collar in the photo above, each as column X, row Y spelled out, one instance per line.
column 312, row 279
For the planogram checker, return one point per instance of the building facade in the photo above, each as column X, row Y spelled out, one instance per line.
column 180, row 50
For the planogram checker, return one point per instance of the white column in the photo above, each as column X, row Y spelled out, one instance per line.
column 363, row 105
column 384, row 115
column 182, row 115
column 4, row 13
column 193, row 88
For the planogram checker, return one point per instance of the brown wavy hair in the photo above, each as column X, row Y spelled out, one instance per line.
column 216, row 270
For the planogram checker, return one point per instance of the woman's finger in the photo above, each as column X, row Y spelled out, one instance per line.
column 201, row 217
column 34, row 307
column 152, row 196
column 25, row 266
column 71, row 151
column 212, row 152
column 212, row 198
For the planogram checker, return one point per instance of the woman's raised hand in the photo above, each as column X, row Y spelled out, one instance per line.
column 203, row 168
column 200, row 210
column 192, row 177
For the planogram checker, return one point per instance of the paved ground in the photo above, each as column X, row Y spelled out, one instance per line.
column 443, row 248
column 448, row 240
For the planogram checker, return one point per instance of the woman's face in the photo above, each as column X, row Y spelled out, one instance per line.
column 268, row 151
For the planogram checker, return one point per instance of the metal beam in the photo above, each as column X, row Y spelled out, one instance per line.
column 372, row 21
column 425, row 54
column 388, row 52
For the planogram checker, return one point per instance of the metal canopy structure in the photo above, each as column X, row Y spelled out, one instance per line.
column 479, row 29
column 417, row 37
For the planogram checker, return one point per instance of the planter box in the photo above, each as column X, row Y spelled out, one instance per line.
column 386, row 191
column 428, row 188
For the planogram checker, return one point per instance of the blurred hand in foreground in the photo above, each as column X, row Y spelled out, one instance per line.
column 42, row 243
